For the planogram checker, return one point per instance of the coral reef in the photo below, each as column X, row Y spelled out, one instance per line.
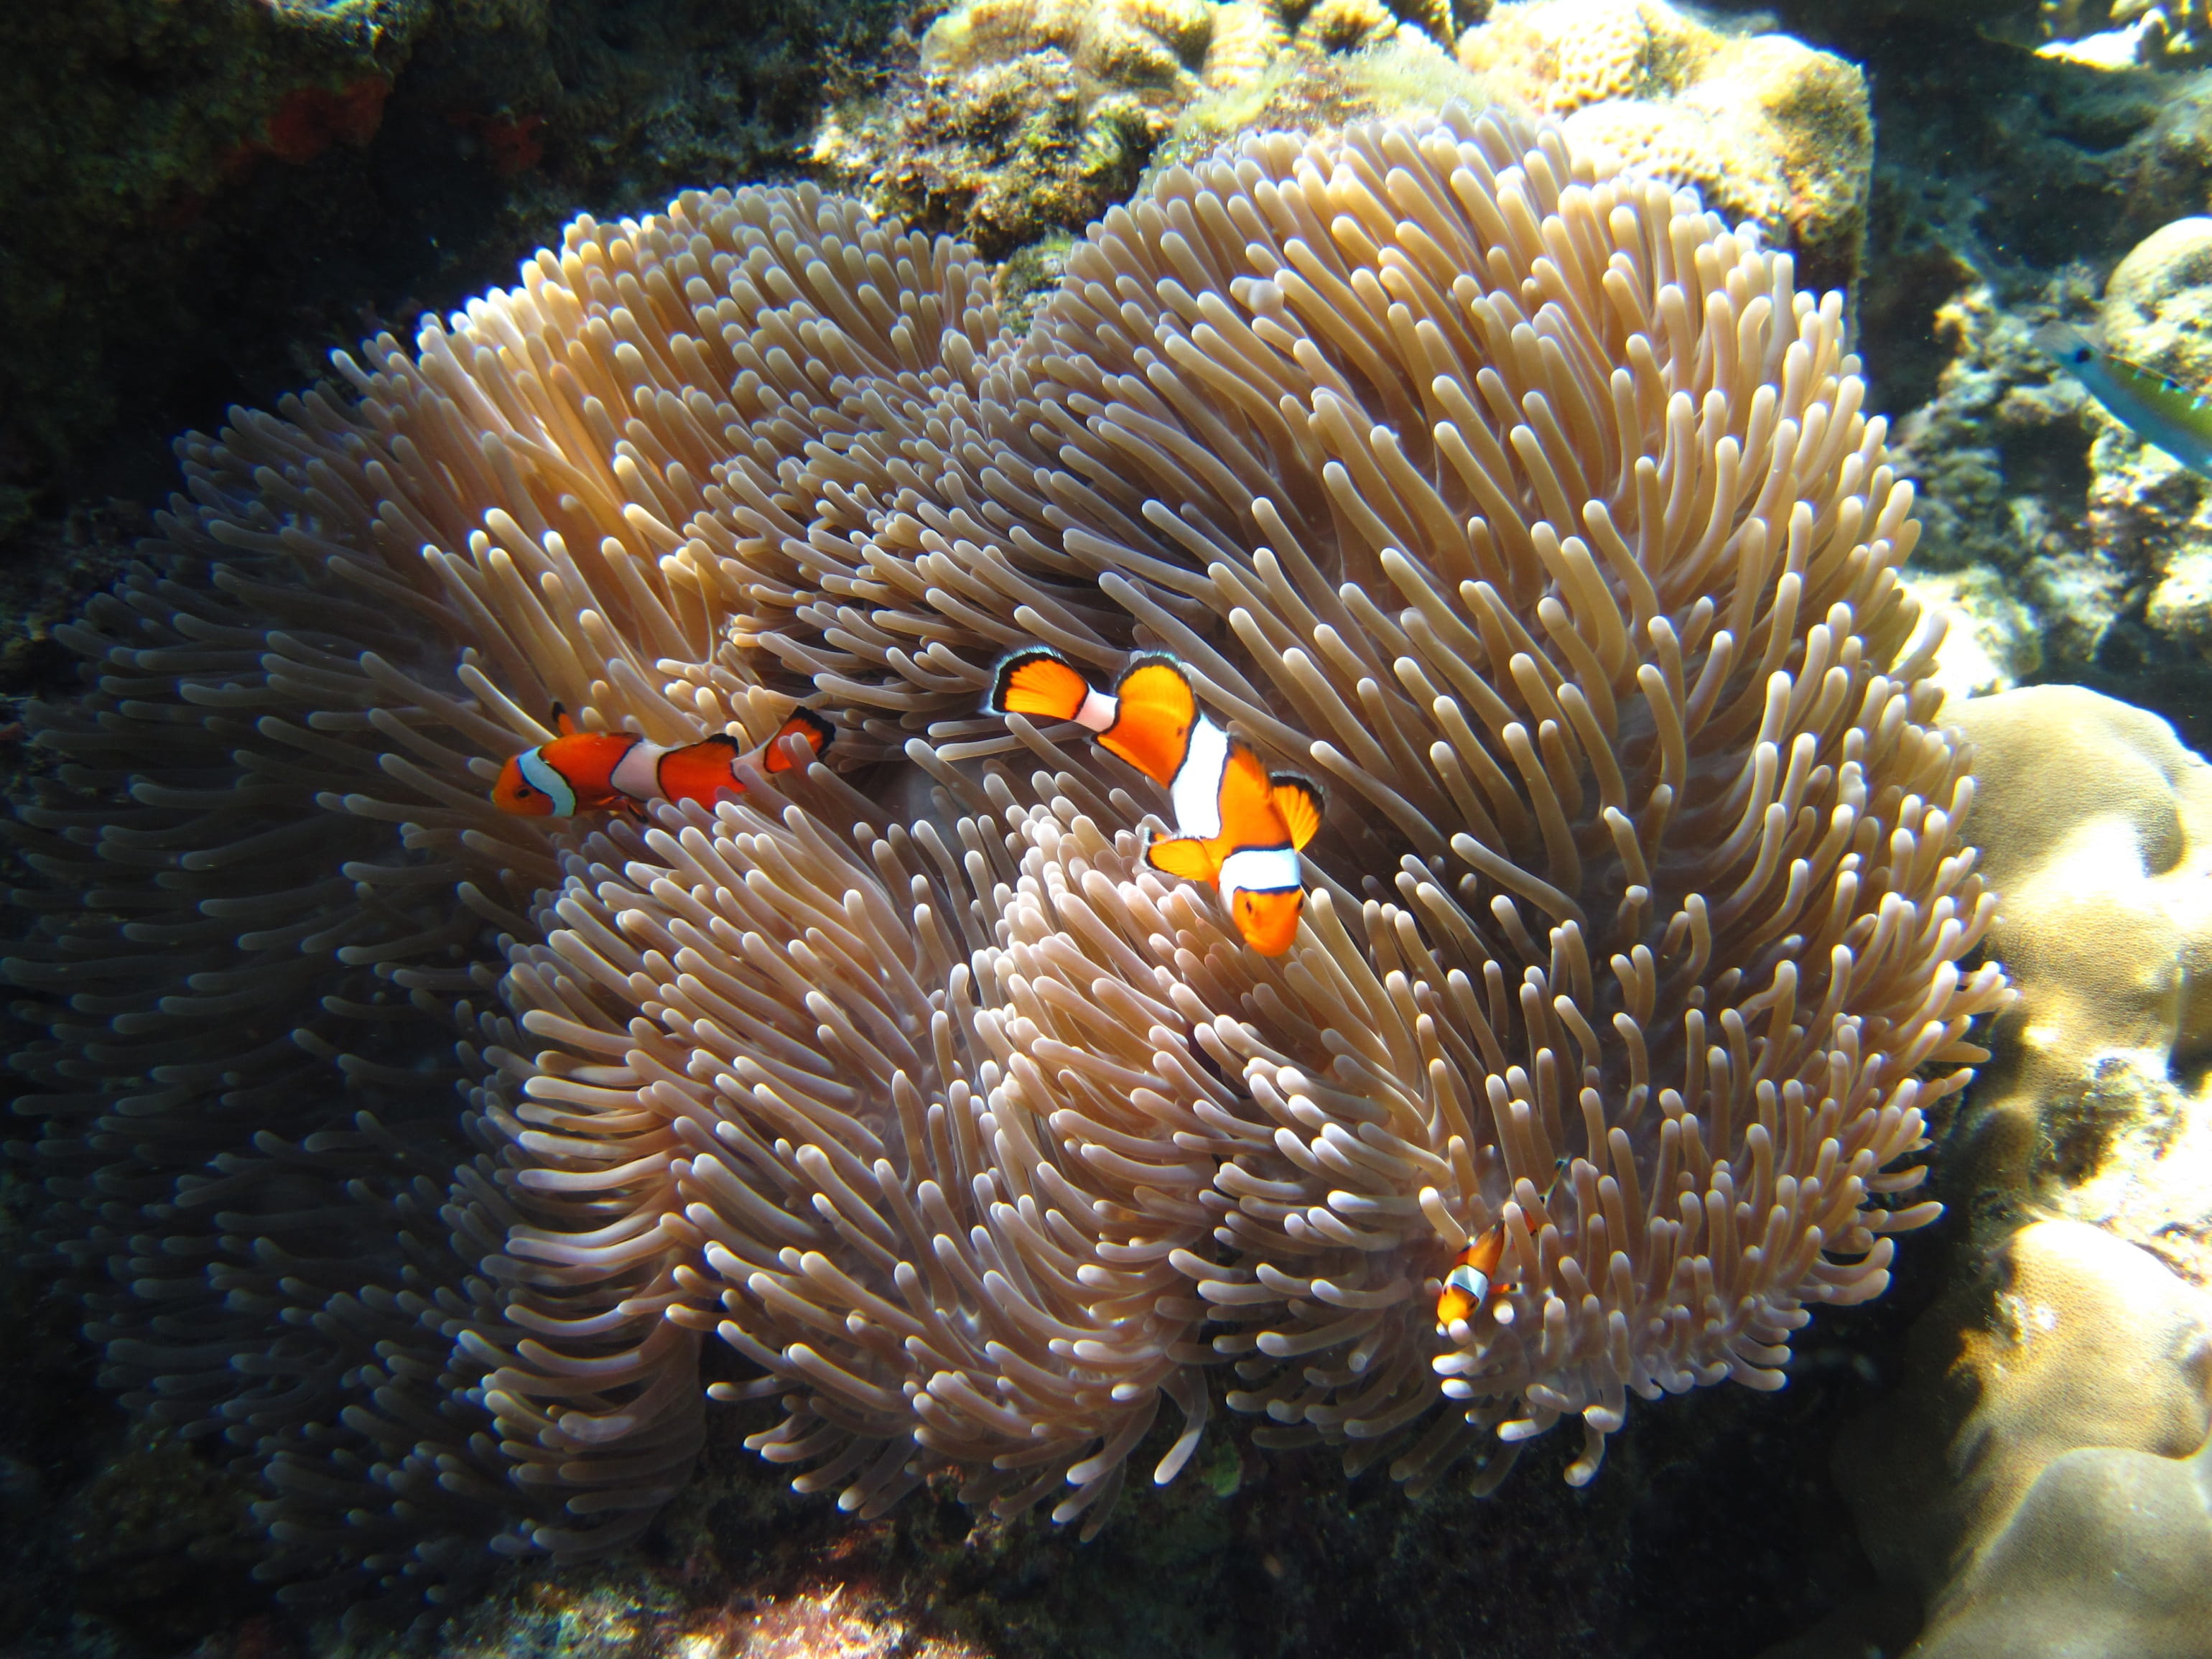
column 1007, row 153
column 2007, row 188
column 974, row 1139
column 1406, row 73
column 1023, row 118
column 2117, row 34
column 1990, row 641
column 1028, row 116
column 1768, row 129
column 2040, row 1479
column 2096, row 825
column 2002, row 446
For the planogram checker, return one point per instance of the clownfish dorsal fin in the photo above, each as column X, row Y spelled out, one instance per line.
column 1183, row 856
column 563, row 722
column 1300, row 804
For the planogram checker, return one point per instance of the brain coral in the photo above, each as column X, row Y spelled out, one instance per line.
column 417, row 1150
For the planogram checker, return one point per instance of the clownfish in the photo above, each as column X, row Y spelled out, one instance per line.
column 1473, row 1283
column 1238, row 826
column 620, row 771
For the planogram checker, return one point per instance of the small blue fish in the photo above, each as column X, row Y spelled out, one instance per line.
column 2156, row 407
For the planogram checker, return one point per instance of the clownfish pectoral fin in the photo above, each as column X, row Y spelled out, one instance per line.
column 1183, row 856
column 1037, row 681
column 803, row 723
column 1154, row 711
column 563, row 722
column 1299, row 802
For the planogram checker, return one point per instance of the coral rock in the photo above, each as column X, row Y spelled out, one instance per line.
column 1768, row 129
column 2042, row 1476
column 2096, row 827
column 1027, row 117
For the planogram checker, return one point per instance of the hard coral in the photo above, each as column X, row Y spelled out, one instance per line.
column 2148, row 515
column 2041, row 1478
column 1029, row 117
column 1766, row 128
column 2096, row 824
column 1009, row 152
column 1523, row 503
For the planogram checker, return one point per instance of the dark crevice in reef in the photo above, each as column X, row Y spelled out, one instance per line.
column 220, row 205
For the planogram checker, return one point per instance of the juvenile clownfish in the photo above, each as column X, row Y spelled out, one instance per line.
column 620, row 771
column 1238, row 826
column 1472, row 1284
column 2156, row 407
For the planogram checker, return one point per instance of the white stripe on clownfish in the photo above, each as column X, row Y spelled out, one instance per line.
column 1259, row 870
column 1238, row 826
column 543, row 777
column 1195, row 795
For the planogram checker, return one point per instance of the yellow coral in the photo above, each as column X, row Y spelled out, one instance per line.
column 1765, row 128
column 1340, row 25
column 1728, row 167
column 2040, row 1476
column 1247, row 37
column 1116, row 45
column 2096, row 825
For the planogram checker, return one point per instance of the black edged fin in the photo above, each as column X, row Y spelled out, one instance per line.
column 824, row 732
column 1151, row 659
column 1301, row 802
column 1004, row 670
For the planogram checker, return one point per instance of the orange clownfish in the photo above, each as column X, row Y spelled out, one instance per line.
column 620, row 771
column 1238, row 826
column 1472, row 1283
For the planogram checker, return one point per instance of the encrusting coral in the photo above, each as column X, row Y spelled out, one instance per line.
column 2036, row 1483
column 1531, row 509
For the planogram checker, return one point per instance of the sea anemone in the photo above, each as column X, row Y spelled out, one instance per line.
column 1535, row 512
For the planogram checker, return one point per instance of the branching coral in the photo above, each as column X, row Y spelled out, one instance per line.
column 1531, row 508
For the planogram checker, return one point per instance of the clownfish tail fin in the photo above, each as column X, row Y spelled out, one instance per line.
column 1038, row 680
column 815, row 728
column 1184, row 857
column 803, row 723
column 563, row 722
column 1299, row 800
